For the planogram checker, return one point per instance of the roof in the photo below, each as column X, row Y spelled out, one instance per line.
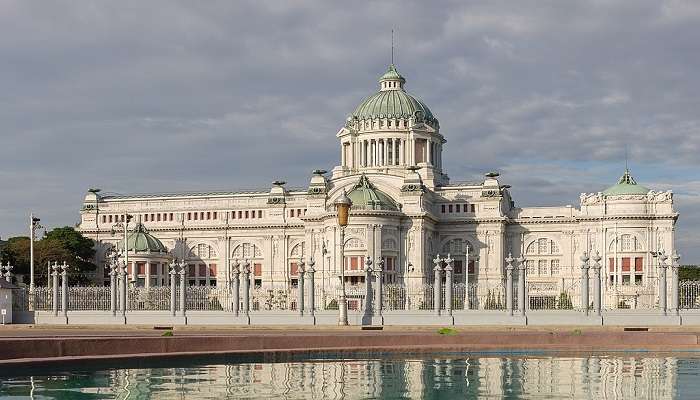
column 625, row 185
column 395, row 103
column 365, row 196
column 110, row 196
column 139, row 240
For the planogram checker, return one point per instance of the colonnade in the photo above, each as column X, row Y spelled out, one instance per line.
column 386, row 152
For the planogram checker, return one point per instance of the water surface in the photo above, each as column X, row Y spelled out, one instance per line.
column 440, row 376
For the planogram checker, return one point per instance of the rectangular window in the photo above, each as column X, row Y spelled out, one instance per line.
column 170, row 216
column 473, row 208
column 141, row 268
column 240, row 214
column 555, row 267
column 201, row 215
column 458, row 267
column 443, row 208
column 299, row 212
column 191, row 269
column 457, row 208
column 291, row 213
column 145, row 217
column 189, row 216
column 257, row 269
column 214, row 214
column 471, row 268
column 104, row 219
column 196, row 215
column 530, row 265
column 638, row 266
column 353, row 263
column 208, row 215
column 294, row 269
column 626, row 264
column 212, row 269
column 252, row 214
column 450, row 208
column 611, row 264
column 247, row 215
column 542, row 267
column 259, row 213
column 202, row 270
column 153, row 217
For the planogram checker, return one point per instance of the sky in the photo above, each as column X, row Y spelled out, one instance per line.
column 135, row 96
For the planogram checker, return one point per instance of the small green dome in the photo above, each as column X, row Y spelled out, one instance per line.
column 139, row 240
column 626, row 185
column 365, row 196
column 392, row 101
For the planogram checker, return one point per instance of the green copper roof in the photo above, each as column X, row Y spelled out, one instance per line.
column 392, row 103
column 626, row 185
column 140, row 240
column 365, row 196
column 392, row 73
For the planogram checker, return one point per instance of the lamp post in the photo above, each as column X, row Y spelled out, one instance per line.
column 342, row 207
column 124, row 225
column 33, row 226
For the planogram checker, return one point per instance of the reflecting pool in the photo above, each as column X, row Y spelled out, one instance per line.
column 439, row 376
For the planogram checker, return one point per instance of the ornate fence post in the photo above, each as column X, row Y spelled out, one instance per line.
column 183, row 288
column 64, row 289
column 54, row 274
column 596, row 283
column 437, row 285
column 122, row 288
column 173, row 288
column 368, row 309
column 509, row 284
column 675, row 304
column 662, row 281
column 246, row 287
column 300, row 288
column 521, row 284
column 113, row 286
column 236, row 270
column 378, row 294
column 312, row 290
column 448, row 284
column 8, row 272
column 584, row 283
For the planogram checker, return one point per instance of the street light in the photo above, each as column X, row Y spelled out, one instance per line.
column 33, row 227
column 124, row 225
column 342, row 207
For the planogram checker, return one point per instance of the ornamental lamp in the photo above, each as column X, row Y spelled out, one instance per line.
column 342, row 206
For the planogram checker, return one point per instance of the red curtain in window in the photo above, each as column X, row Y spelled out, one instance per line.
column 257, row 269
column 353, row 263
column 141, row 267
column 638, row 265
column 626, row 262
column 294, row 269
column 611, row 263
column 212, row 269
column 202, row 270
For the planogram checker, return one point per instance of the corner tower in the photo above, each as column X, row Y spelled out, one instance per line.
column 390, row 131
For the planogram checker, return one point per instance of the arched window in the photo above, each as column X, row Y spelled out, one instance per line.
column 543, row 258
column 202, row 267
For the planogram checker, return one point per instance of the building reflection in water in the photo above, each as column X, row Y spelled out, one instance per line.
column 610, row 377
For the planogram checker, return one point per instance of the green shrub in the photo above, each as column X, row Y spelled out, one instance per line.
column 167, row 333
column 447, row 331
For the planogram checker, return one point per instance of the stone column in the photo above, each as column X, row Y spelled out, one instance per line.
column 596, row 283
column 401, row 151
column 54, row 275
column 64, row 289
column 448, row 284
column 113, row 287
column 379, row 295
column 521, row 284
column 675, row 304
column 300, row 288
column 173, row 286
column 235, row 270
column 368, row 287
column 246, row 287
column 311, row 306
column 183, row 288
column 437, row 285
column 509, row 284
column 147, row 277
column 584, row 283
column 662, row 282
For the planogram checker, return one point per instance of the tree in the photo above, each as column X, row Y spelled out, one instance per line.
column 59, row 245
column 689, row 273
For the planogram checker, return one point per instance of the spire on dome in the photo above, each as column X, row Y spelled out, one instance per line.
column 391, row 80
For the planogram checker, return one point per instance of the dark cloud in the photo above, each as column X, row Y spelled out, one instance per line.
column 155, row 96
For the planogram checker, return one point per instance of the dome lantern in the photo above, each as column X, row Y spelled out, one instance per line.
column 391, row 80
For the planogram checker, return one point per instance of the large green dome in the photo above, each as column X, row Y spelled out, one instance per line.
column 139, row 240
column 392, row 101
column 365, row 196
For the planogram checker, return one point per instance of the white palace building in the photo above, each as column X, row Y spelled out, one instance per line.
column 405, row 212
